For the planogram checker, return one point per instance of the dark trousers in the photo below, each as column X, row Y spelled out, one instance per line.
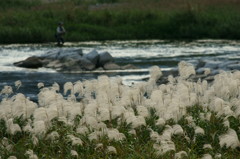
column 59, row 39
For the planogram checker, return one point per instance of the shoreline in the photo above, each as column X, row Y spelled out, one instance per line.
column 140, row 41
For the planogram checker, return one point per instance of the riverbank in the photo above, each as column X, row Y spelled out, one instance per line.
column 36, row 22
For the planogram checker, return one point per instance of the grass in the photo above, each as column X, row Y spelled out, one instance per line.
column 119, row 20
column 134, row 146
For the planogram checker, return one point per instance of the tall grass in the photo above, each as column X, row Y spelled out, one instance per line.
column 101, row 20
column 180, row 119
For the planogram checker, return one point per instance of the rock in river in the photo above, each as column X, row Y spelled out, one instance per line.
column 73, row 60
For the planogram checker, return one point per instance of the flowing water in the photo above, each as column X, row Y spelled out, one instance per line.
column 142, row 54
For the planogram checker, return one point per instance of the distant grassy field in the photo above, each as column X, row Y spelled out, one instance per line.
column 25, row 21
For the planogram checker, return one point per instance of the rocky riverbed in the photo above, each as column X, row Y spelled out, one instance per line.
column 73, row 61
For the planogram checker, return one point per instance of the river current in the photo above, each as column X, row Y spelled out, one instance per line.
column 142, row 54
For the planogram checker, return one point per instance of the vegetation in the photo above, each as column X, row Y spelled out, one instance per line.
column 34, row 21
column 181, row 119
column 139, row 145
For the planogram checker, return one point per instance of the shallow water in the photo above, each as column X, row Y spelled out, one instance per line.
column 142, row 54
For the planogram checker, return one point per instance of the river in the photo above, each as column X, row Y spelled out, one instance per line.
column 143, row 54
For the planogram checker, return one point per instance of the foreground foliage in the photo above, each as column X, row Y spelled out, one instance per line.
column 86, row 20
column 104, row 119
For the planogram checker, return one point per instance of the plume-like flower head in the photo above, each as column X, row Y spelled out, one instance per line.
column 186, row 69
column 74, row 153
column 18, row 84
column 31, row 154
column 7, row 90
column 68, row 86
column 230, row 139
column 155, row 73
column 75, row 140
column 111, row 150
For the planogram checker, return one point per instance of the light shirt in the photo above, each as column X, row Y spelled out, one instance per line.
column 60, row 30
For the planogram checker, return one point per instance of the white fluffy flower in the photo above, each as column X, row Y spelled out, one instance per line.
column 177, row 130
column 13, row 128
column 28, row 128
column 207, row 146
column 18, row 84
column 99, row 146
column 95, row 135
column 226, row 123
column 164, row 147
column 75, row 140
column 136, row 121
column 199, row 130
column 208, row 116
column 52, row 112
column 78, row 87
column 40, row 114
column 132, row 132
column 40, row 85
column 142, row 111
column 186, row 69
column 6, row 90
column 12, row 157
column 171, row 79
column 31, row 154
column 65, row 120
column 230, row 139
column 180, row 155
column 82, row 130
column 104, row 114
column 218, row 156
column 167, row 133
column 74, row 153
column 5, row 143
column 157, row 97
column 35, row 140
column 207, row 71
column 53, row 136
column 190, row 120
column 206, row 156
column 117, row 111
column 39, row 128
column 155, row 73
column 154, row 135
column 22, row 106
column 114, row 134
column 68, row 86
column 218, row 104
column 90, row 121
column 56, row 87
column 111, row 150
column 91, row 109
column 160, row 122
column 100, row 126
column 48, row 96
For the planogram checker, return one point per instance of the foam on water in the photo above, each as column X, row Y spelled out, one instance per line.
column 14, row 53
column 144, row 52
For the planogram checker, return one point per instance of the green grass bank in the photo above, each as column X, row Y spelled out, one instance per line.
column 25, row 21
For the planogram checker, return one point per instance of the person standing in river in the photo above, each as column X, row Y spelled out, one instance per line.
column 60, row 33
